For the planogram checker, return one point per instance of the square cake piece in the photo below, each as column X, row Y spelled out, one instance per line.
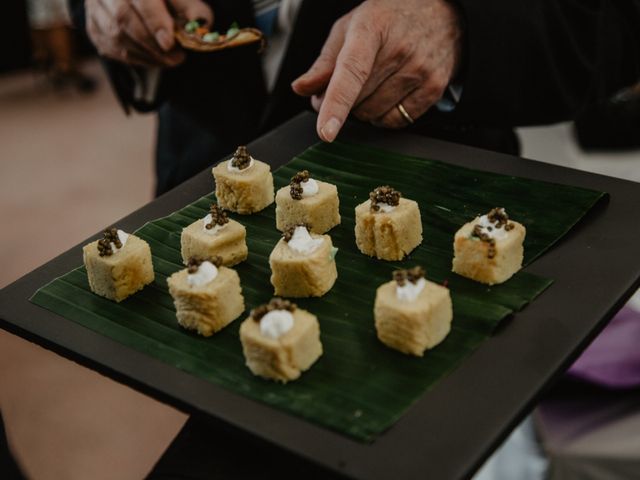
column 307, row 201
column 388, row 227
column 280, row 341
column 215, row 235
column 303, row 264
column 243, row 184
column 411, row 313
column 489, row 249
column 207, row 296
column 118, row 265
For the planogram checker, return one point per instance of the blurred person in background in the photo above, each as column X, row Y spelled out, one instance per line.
column 53, row 44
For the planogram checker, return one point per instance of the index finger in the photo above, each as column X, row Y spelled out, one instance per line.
column 353, row 67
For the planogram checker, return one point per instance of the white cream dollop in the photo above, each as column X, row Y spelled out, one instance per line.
column 276, row 323
column 301, row 242
column 231, row 168
column 212, row 231
column 123, row 236
column 385, row 207
column 309, row 188
column 497, row 233
column 410, row 291
column 206, row 273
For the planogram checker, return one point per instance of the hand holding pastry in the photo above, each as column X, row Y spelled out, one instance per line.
column 140, row 32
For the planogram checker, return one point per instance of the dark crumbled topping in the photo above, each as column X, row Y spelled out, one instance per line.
column 386, row 195
column 218, row 217
column 296, row 184
column 484, row 236
column 499, row 218
column 241, row 159
column 412, row 275
column 288, row 233
column 194, row 262
column 110, row 235
column 275, row 304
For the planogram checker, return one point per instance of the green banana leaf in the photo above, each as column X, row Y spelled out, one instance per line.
column 358, row 387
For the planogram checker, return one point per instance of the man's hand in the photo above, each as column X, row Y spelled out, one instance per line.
column 381, row 54
column 140, row 32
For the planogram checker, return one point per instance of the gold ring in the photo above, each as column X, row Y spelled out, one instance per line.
column 404, row 113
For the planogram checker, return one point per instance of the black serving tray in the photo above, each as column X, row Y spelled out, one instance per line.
column 454, row 427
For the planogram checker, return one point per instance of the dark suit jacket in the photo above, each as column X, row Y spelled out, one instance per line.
column 525, row 62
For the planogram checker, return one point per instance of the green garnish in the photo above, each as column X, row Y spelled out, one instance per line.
column 211, row 37
column 233, row 29
column 191, row 26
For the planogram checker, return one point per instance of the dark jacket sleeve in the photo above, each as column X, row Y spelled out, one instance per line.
column 543, row 61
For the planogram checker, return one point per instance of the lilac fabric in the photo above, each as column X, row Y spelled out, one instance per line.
column 613, row 359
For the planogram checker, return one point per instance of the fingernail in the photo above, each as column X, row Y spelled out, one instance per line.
column 330, row 130
column 164, row 39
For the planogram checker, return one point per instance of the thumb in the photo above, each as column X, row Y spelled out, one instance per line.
column 193, row 10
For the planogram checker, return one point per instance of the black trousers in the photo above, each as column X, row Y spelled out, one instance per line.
column 8, row 467
column 208, row 449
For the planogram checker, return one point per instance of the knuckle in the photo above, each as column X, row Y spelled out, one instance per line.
column 342, row 99
column 323, row 59
column 388, row 122
column 435, row 88
column 421, row 70
column 363, row 114
column 119, row 36
column 359, row 115
column 367, row 31
column 369, row 12
column 338, row 26
column 423, row 101
column 121, row 15
column 396, row 124
column 410, row 80
column 401, row 51
column 354, row 67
